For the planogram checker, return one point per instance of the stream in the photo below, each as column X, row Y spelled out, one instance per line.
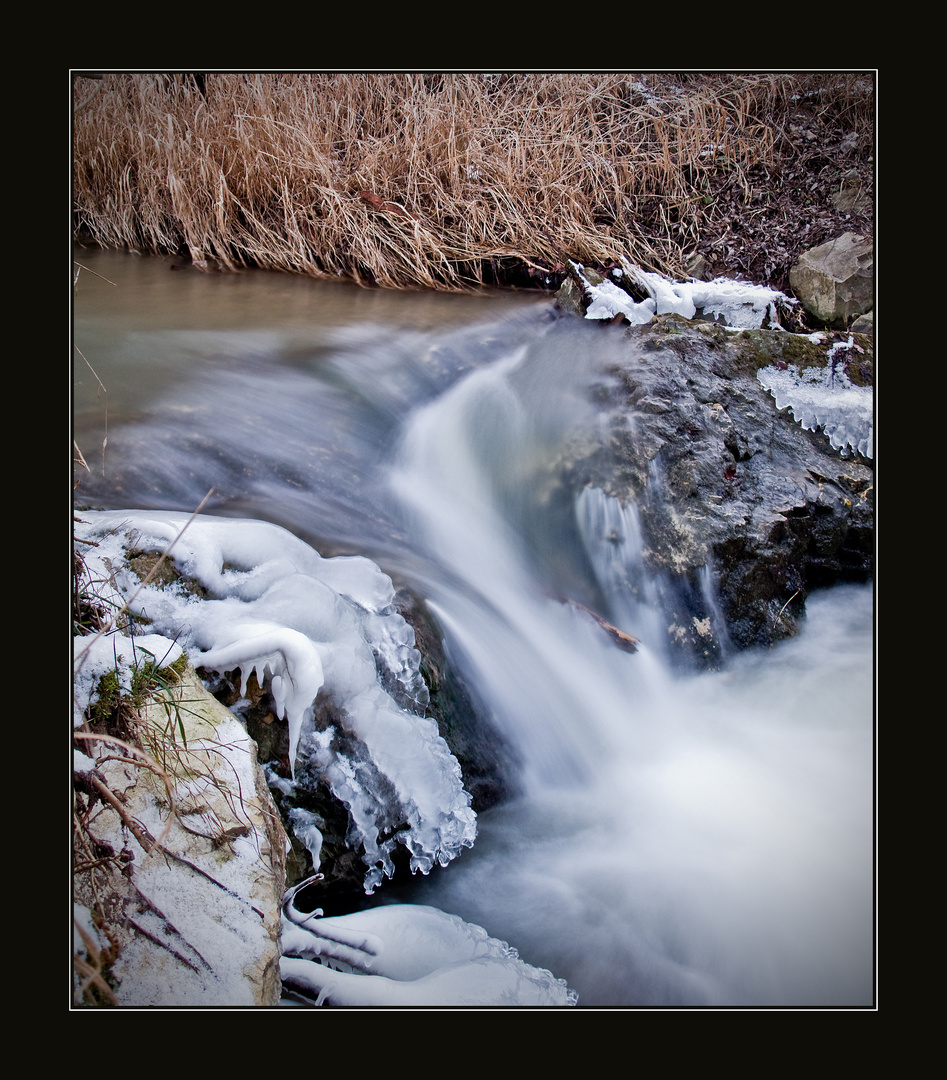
column 677, row 839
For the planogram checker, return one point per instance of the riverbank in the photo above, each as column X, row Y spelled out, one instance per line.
column 450, row 183
column 456, row 181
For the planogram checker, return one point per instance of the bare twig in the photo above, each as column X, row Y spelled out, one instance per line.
column 786, row 605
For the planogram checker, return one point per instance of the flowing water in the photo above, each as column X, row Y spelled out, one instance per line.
column 677, row 840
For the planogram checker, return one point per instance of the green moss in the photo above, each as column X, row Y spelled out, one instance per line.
column 112, row 699
column 108, row 698
column 163, row 573
column 178, row 667
column 755, row 349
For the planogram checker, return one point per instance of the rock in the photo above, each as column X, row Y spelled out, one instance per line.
column 571, row 298
column 864, row 324
column 835, row 281
column 730, row 492
column 187, row 881
column 697, row 267
column 852, row 198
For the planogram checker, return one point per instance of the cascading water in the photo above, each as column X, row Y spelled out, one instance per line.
column 678, row 838
column 611, row 534
column 680, row 841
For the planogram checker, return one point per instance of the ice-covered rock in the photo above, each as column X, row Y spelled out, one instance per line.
column 309, row 628
column 190, row 913
column 824, row 397
column 738, row 304
column 409, row 955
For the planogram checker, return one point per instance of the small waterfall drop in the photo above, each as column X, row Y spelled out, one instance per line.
column 612, row 537
column 460, row 474
column 681, row 838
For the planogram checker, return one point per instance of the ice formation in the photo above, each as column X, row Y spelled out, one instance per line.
column 818, row 397
column 825, row 397
column 739, row 303
column 307, row 627
column 409, row 955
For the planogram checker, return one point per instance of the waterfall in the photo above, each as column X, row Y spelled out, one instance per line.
column 680, row 838
column 458, row 475
column 611, row 533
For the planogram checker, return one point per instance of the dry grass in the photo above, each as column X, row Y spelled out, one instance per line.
column 445, row 181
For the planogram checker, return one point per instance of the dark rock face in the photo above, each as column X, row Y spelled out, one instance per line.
column 724, row 482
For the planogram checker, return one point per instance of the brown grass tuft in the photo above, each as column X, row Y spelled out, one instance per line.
column 445, row 181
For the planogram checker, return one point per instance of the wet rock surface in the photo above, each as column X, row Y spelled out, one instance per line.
column 723, row 480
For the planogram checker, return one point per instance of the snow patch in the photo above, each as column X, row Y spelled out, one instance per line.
column 738, row 303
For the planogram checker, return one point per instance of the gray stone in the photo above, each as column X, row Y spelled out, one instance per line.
column 835, row 281
column 864, row 324
column 852, row 198
column 697, row 267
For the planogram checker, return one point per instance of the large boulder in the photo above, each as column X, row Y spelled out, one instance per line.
column 180, row 861
column 835, row 281
column 742, row 510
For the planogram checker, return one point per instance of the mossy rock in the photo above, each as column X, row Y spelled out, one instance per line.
column 163, row 572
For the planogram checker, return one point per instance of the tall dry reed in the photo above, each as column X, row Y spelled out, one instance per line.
column 411, row 180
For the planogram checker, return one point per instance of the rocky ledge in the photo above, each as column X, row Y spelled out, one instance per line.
column 743, row 511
